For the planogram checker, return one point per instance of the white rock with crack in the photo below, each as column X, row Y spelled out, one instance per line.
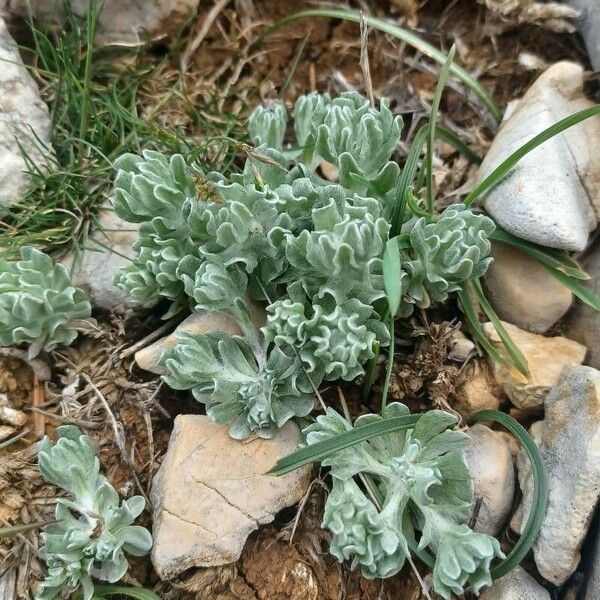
column 125, row 22
column 570, row 446
column 490, row 463
column 24, row 123
column 515, row 585
column 211, row 492
column 523, row 292
column 552, row 196
column 546, row 357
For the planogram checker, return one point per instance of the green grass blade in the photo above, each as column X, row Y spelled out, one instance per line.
column 576, row 287
column 555, row 259
column 513, row 350
column 406, row 178
column 399, row 32
column 392, row 275
column 321, row 450
column 507, row 164
column 450, row 138
column 103, row 591
column 435, row 107
column 465, row 304
column 540, row 489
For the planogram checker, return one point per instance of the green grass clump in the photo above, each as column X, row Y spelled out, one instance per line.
column 100, row 107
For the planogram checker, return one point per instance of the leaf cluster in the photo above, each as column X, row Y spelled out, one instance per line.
column 93, row 529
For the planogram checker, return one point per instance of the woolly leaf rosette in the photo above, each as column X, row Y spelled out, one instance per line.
column 38, row 304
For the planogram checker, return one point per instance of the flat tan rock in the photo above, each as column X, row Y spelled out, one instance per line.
column 211, row 492
column 523, row 292
column 546, row 358
column 197, row 323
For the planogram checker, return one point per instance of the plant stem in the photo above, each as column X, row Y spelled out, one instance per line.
column 388, row 372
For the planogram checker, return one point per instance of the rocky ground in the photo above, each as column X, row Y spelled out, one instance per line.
column 236, row 534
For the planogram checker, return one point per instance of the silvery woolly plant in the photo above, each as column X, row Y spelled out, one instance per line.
column 312, row 252
column 93, row 529
column 309, row 249
column 39, row 307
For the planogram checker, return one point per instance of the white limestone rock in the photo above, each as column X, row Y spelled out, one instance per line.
column 523, row 292
column 515, row 585
column 490, row 463
column 123, row 22
column 570, row 446
column 212, row 491
column 552, row 196
column 24, row 122
column 108, row 249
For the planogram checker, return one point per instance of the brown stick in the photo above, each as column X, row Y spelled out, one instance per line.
column 37, row 400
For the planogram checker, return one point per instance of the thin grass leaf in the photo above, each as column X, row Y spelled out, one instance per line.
column 406, row 178
column 435, row 107
column 513, row 350
column 104, row 591
column 8, row 532
column 392, row 275
column 450, row 138
column 539, row 495
column 402, row 34
column 555, row 259
column 465, row 304
column 321, row 450
column 585, row 295
column 507, row 164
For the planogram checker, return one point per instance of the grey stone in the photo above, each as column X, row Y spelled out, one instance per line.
column 125, row 22
column 107, row 250
column 515, row 585
column 589, row 25
column 212, row 491
column 570, row 446
column 523, row 292
column 550, row 196
column 24, row 122
column 490, row 463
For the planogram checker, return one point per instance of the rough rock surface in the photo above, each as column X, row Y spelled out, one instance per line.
column 548, row 197
column 23, row 118
column 570, row 445
column 583, row 323
column 107, row 250
column 478, row 392
column 211, row 492
column 546, row 358
column 592, row 591
column 515, row 585
column 523, row 292
column 589, row 25
column 201, row 322
column 121, row 21
column 490, row 463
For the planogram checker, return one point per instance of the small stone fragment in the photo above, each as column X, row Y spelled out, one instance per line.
column 23, row 118
column 461, row 347
column 478, row 392
column 490, row 463
column 515, row 585
column 523, row 292
column 552, row 196
column 11, row 416
column 6, row 432
column 212, row 491
column 197, row 323
column 546, row 357
column 570, row 446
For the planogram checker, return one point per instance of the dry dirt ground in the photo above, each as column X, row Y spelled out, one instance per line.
column 128, row 413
